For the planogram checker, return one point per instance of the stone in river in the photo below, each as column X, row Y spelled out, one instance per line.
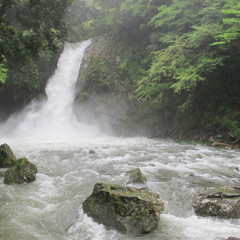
column 127, row 209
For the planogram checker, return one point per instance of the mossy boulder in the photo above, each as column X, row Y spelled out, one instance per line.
column 130, row 210
column 7, row 158
column 136, row 176
column 222, row 202
column 22, row 171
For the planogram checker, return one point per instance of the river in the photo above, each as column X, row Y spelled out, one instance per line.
column 71, row 156
column 50, row 208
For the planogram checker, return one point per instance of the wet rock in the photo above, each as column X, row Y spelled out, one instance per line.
column 234, row 169
column 152, row 165
column 7, row 158
column 127, row 209
column 92, row 151
column 222, row 202
column 136, row 176
column 22, row 171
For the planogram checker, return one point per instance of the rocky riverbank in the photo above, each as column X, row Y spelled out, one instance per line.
column 211, row 137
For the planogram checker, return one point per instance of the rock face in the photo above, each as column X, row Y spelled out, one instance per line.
column 127, row 209
column 99, row 88
column 136, row 176
column 22, row 171
column 105, row 91
column 7, row 158
column 219, row 202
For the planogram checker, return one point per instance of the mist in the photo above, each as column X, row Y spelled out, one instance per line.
column 53, row 116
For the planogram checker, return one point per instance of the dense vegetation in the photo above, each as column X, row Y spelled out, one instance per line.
column 179, row 58
column 31, row 33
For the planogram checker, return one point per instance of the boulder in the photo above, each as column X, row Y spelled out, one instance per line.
column 136, row 176
column 92, row 151
column 222, row 202
column 22, row 171
column 127, row 209
column 233, row 238
column 7, row 158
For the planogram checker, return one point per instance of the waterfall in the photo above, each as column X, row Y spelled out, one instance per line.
column 70, row 160
column 53, row 117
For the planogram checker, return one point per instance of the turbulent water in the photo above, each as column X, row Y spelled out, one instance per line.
column 52, row 138
column 50, row 208
column 53, row 117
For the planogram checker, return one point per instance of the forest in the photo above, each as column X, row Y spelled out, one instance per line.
column 136, row 101
column 180, row 59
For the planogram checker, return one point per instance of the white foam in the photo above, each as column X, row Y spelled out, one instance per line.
column 199, row 228
column 53, row 117
column 86, row 229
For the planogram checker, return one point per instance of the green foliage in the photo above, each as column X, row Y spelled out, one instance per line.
column 178, row 58
column 230, row 122
column 225, row 120
column 3, row 73
column 87, row 19
column 231, row 22
column 143, row 8
column 99, row 76
column 188, row 60
column 81, row 20
column 31, row 33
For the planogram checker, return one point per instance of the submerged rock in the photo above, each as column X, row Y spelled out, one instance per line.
column 136, row 176
column 92, row 151
column 7, row 158
column 22, row 171
column 127, row 209
column 222, row 202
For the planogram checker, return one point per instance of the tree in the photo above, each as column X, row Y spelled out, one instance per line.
column 31, row 33
column 231, row 21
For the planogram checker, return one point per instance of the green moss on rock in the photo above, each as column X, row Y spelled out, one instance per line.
column 127, row 209
column 22, row 171
column 136, row 176
column 222, row 202
column 7, row 158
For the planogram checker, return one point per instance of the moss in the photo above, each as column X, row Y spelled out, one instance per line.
column 30, row 178
column 121, row 205
column 22, row 162
column 136, row 176
column 7, row 158
column 143, row 178
column 22, row 171
column 128, row 209
column 113, row 186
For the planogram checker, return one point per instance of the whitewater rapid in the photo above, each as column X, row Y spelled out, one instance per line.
column 50, row 208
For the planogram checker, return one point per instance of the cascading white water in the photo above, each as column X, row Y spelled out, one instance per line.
column 54, row 117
